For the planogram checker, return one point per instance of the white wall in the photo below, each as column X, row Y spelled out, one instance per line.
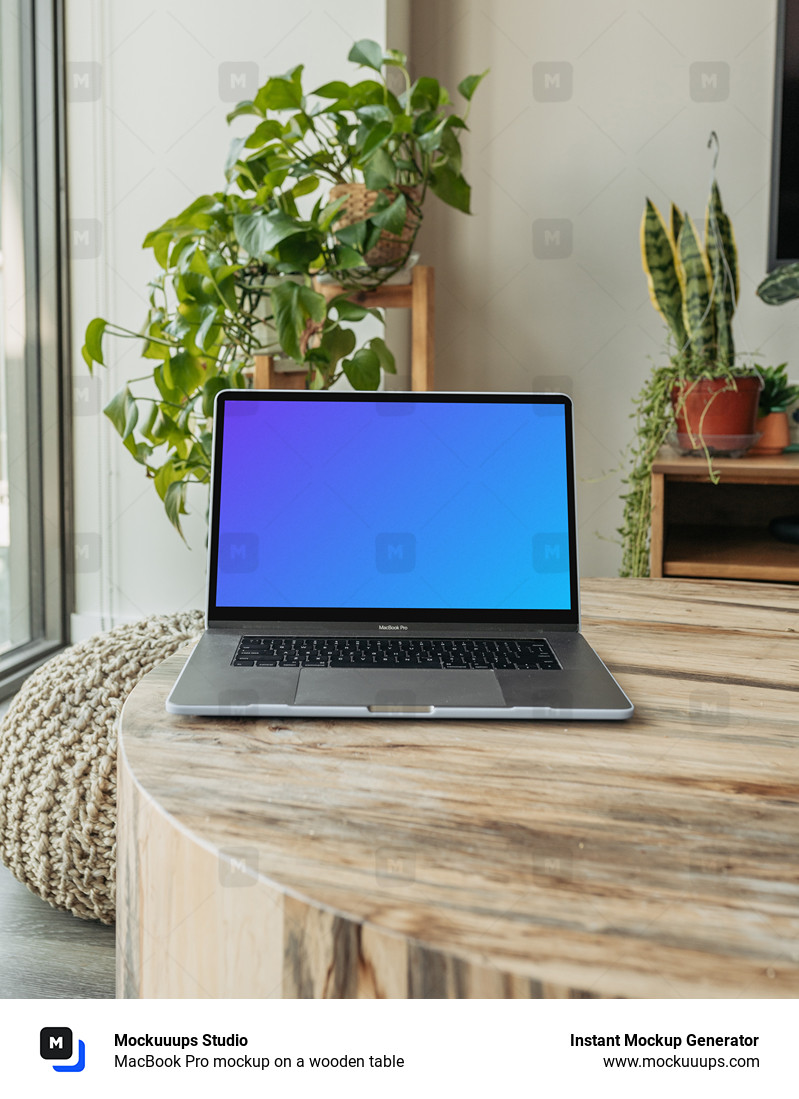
column 517, row 311
column 147, row 134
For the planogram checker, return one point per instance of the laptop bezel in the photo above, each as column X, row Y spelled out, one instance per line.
column 368, row 619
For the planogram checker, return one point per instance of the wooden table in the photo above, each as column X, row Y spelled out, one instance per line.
column 650, row 858
column 704, row 530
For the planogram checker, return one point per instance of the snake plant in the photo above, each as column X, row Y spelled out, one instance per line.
column 694, row 286
column 781, row 285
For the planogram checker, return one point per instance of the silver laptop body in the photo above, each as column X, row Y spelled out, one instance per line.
column 394, row 555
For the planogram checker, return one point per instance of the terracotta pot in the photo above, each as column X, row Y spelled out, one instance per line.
column 714, row 408
column 775, row 434
column 391, row 248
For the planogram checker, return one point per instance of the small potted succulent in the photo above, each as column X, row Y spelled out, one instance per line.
column 775, row 398
column 703, row 398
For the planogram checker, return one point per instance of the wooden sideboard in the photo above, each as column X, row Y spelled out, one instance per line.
column 721, row 531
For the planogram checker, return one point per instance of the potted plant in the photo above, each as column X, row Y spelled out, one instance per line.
column 772, row 423
column 379, row 153
column 237, row 268
column 702, row 395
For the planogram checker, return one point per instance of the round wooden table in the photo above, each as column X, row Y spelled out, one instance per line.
column 649, row 858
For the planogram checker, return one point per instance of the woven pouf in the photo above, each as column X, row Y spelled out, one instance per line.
column 58, row 763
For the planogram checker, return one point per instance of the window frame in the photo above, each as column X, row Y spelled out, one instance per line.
column 48, row 389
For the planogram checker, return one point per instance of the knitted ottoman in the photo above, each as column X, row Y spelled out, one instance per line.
column 58, row 763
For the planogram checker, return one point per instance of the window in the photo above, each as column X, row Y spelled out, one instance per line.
column 34, row 401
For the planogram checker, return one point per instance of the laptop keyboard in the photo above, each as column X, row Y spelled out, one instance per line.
column 394, row 652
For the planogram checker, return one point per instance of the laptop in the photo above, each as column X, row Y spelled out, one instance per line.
column 394, row 555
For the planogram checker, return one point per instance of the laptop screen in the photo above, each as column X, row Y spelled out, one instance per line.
column 419, row 507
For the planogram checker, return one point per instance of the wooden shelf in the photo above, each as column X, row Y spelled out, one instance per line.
column 721, row 531
column 738, row 553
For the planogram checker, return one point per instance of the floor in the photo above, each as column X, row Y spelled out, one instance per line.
column 46, row 954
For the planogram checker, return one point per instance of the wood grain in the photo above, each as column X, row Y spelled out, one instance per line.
column 779, row 469
column 655, row 857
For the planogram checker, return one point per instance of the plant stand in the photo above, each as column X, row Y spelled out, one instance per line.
column 418, row 295
column 721, row 531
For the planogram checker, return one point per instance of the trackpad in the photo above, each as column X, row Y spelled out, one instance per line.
column 391, row 687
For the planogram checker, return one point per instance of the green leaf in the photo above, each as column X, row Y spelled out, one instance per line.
column 723, row 258
column 132, row 417
column 247, row 106
column 288, row 316
column 314, row 304
column 393, row 218
column 395, row 57
column 305, row 186
column 384, row 356
column 402, row 124
column 175, row 504
column 186, row 371
column 781, row 285
column 380, row 171
column 204, row 339
column 348, row 310
column 93, row 343
column 280, row 93
column 452, row 189
column 336, row 343
column 336, row 89
column 468, row 85
column 168, row 392
column 658, row 255
column 328, row 214
column 260, row 233
column 210, row 390
column 363, row 369
column 264, row 132
column 374, row 112
column 376, row 137
column 118, row 407
column 146, row 428
column 426, row 92
column 367, row 53
column 345, row 258
column 354, row 236
column 698, row 317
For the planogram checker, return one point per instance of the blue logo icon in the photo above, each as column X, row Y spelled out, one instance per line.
column 55, row 1044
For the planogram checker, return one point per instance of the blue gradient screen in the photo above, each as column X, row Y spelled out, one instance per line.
column 348, row 504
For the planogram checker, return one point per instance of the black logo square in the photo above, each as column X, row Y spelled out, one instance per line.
column 55, row 1043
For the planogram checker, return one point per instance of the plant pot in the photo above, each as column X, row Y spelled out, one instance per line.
column 716, row 408
column 775, row 434
column 391, row 249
